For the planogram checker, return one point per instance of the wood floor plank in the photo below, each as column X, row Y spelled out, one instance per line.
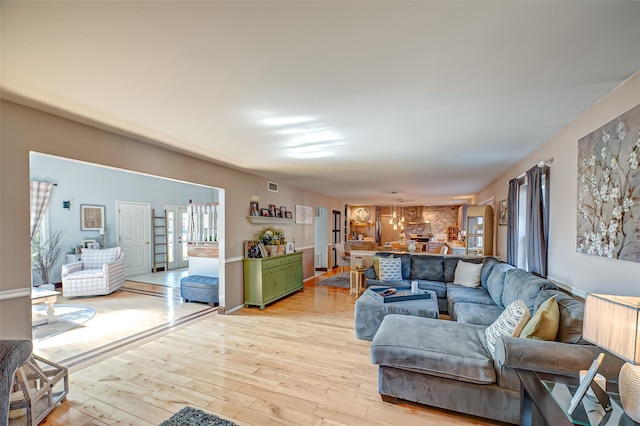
column 295, row 363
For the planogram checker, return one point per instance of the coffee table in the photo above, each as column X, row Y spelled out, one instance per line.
column 370, row 311
column 47, row 296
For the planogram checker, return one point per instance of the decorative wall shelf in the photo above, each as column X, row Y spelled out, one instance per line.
column 265, row 219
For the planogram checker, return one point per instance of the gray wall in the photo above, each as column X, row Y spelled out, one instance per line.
column 25, row 129
column 584, row 273
column 83, row 183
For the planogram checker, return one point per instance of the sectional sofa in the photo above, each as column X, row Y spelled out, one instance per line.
column 450, row 365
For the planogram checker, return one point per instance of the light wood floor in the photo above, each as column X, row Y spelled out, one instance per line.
column 296, row 363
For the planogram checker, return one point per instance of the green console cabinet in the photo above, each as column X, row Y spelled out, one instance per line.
column 269, row 279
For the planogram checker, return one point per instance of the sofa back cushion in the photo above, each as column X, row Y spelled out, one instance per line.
column 571, row 315
column 427, row 268
column 449, row 264
column 495, row 281
column 95, row 258
column 487, row 267
column 520, row 284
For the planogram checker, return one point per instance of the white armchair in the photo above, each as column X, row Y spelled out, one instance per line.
column 99, row 272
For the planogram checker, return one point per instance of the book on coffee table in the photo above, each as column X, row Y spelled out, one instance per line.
column 402, row 294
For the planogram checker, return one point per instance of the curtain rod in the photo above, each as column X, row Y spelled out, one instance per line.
column 540, row 164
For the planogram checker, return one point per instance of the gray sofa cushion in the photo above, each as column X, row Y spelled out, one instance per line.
column 449, row 264
column 429, row 268
column 571, row 315
column 370, row 273
column 489, row 263
column 439, row 348
column 438, row 287
column 458, row 293
column 520, row 284
column 473, row 313
column 369, row 283
column 495, row 282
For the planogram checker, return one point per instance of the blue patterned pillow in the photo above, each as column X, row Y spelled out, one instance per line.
column 390, row 269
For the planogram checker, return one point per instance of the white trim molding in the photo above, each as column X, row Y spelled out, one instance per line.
column 15, row 294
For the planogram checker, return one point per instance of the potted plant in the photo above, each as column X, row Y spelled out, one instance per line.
column 273, row 240
column 44, row 254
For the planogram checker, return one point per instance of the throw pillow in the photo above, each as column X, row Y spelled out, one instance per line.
column 467, row 274
column 509, row 323
column 545, row 322
column 376, row 264
column 390, row 269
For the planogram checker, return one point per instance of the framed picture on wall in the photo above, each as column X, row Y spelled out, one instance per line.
column 91, row 217
column 288, row 215
column 502, row 212
column 253, row 209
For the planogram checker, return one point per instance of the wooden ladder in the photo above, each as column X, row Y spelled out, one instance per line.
column 160, row 241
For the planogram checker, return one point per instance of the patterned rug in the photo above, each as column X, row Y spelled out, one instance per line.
column 67, row 316
column 190, row 416
column 336, row 281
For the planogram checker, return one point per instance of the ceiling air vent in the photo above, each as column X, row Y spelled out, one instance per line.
column 272, row 186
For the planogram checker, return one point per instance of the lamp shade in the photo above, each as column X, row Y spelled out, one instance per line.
column 613, row 322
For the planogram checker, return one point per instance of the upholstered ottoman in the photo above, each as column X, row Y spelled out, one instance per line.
column 370, row 311
column 198, row 288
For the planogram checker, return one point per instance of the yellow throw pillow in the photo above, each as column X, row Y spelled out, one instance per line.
column 545, row 322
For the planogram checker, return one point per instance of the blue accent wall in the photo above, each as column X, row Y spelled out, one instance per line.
column 83, row 183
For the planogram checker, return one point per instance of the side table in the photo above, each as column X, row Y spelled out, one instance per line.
column 50, row 297
column 552, row 396
column 356, row 281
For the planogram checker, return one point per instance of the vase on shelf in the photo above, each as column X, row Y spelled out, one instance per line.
column 275, row 250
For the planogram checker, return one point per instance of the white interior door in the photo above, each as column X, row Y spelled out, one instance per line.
column 134, row 230
column 177, row 236
column 183, row 243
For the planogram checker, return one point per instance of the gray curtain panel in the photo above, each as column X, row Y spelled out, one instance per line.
column 512, row 222
column 536, row 233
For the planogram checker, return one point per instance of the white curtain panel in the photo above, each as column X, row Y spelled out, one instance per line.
column 40, row 193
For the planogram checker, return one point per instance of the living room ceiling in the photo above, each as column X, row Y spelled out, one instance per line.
column 431, row 100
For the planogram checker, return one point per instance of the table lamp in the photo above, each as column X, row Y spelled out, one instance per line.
column 613, row 322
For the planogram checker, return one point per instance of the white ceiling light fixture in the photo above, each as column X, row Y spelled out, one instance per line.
column 284, row 121
column 395, row 220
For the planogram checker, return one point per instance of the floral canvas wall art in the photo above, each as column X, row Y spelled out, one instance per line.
column 609, row 189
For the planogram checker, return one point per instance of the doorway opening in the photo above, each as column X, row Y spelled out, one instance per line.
column 126, row 199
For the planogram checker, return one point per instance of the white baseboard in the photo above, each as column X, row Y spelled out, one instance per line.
column 229, row 311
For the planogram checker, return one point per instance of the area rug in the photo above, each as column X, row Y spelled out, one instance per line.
column 68, row 317
column 336, row 281
column 190, row 416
